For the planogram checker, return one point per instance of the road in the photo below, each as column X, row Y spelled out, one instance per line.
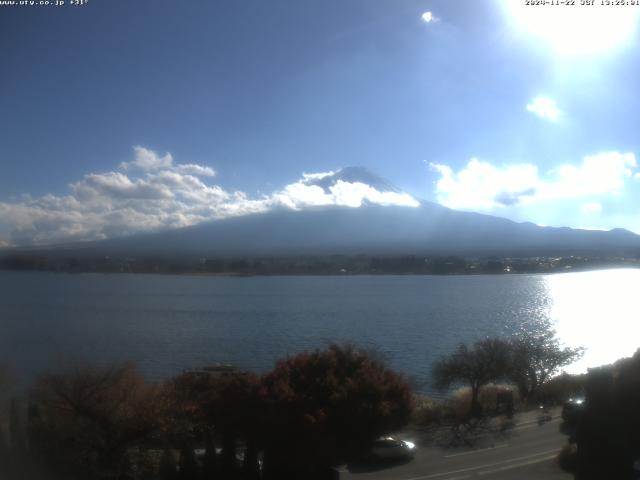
column 526, row 451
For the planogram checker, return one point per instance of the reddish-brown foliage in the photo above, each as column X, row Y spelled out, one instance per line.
column 326, row 406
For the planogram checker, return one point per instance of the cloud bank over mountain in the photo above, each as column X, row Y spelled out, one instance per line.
column 152, row 192
column 483, row 186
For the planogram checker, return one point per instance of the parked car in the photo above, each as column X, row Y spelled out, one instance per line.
column 389, row 448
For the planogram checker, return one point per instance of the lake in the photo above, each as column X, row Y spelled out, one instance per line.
column 169, row 323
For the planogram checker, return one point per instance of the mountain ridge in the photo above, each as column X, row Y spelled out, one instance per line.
column 428, row 228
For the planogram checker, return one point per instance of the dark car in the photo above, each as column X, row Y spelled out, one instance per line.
column 390, row 448
column 572, row 410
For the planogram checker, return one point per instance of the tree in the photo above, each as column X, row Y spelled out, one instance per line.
column 86, row 421
column 486, row 361
column 235, row 409
column 184, row 419
column 326, row 406
column 204, row 406
column 5, row 454
column 536, row 356
column 16, row 430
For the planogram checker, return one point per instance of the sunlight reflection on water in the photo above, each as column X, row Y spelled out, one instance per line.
column 597, row 310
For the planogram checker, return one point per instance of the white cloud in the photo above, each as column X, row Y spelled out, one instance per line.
column 545, row 108
column 310, row 177
column 356, row 194
column 483, row 186
column 119, row 186
column 344, row 194
column 596, row 175
column 151, row 193
column 197, row 170
column 591, row 208
column 146, row 159
column 299, row 195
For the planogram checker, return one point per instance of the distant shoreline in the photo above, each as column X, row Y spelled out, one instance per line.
column 282, row 268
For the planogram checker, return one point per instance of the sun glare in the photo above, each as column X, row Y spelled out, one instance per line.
column 427, row 17
column 575, row 30
column 596, row 310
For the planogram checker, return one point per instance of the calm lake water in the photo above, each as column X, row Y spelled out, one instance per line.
column 169, row 323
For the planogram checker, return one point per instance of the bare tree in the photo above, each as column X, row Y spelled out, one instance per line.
column 536, row 356
column 484, row 362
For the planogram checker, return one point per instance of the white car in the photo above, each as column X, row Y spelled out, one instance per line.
column 388, row 448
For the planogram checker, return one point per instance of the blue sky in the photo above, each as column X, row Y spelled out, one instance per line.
column 121, row 116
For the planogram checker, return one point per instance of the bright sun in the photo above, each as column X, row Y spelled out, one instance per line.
column 575, row 30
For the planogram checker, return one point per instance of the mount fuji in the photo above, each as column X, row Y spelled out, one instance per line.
column 372, row 228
